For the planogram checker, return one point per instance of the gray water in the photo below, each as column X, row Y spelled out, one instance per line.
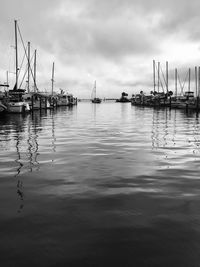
column 100, row 185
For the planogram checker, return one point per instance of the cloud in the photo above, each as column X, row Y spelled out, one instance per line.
column 112, row 41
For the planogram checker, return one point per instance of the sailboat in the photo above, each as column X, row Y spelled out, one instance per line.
column 62, row 98
column 94, row 98
column 15, row 102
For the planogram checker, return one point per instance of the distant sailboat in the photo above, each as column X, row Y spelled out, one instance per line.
column 94, row 98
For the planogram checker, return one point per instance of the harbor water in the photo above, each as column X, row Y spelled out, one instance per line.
column 105, row 184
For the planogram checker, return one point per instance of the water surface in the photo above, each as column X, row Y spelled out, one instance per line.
column 100, row 185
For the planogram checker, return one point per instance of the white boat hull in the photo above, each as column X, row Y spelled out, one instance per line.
column 18, row 107
column 64, row 102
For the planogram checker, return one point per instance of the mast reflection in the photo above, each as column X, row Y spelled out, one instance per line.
column 23, row 131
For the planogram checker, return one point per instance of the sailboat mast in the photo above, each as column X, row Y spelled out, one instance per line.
column 16, row 56
column 158, row 76
column 7, row 77
column 95, row 89
column 28, row 89
column 189, row 81
column 52, row 80
column 176, row 80
column 196, row 82
column 35, row 71
column 167, row 81
column 154, row 77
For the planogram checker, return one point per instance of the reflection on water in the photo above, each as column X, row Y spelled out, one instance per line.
column 100, row 185
column 18, row 141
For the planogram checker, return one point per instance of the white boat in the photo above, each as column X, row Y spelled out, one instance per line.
column 17, row 107
column 62, row 99
column 15, row 102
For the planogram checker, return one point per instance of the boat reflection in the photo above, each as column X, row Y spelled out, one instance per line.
column 20, row 133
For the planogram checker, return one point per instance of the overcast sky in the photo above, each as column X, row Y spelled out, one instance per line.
column 111, row 41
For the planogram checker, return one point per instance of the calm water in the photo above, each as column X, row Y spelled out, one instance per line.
column 100, row 185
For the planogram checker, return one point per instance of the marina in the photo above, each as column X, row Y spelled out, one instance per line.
column 20, row 100
column 99, row 133
column 184, row 99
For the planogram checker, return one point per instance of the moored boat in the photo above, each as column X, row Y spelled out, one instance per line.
column 14, row 98
column 62, row 98
column 15, row 102
column 72, row 100
column 37, row 100
column 123, row 98
column 185, row 101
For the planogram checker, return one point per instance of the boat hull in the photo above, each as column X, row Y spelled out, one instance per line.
column 62, row 102
column 17, row 107
column 96, row 100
